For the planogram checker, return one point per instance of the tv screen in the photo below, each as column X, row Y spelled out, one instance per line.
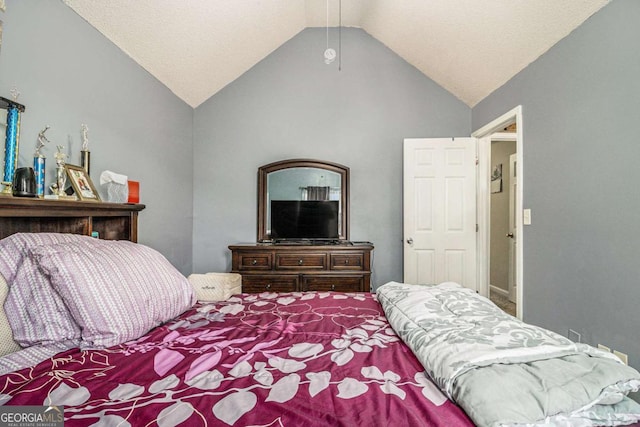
column 306, row 219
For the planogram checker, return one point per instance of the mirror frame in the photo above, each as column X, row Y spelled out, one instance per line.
column 264, row 171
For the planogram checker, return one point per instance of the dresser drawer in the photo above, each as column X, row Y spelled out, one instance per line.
column 352, row 283
column 267, row 267
column 301, row 261
column 253, row 261
column 254, row 284
column 353, row 261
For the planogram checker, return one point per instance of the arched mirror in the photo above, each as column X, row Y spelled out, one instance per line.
column 320, row 190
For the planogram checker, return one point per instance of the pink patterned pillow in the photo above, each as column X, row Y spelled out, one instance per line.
column 36, row 313
column 117, row 290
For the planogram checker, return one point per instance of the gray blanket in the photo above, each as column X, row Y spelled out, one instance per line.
column 502, row 371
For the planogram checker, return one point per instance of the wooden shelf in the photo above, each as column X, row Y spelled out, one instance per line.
column 112, row 221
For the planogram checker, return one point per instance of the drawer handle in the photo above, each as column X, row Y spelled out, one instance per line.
column 268, row 285
column 299, row 262
column 346, row 261
column 254, row 262
column 333, row 287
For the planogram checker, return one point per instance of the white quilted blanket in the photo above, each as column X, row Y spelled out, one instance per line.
column 477, row 354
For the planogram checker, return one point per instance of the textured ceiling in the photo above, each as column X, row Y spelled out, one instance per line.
column 469, row 47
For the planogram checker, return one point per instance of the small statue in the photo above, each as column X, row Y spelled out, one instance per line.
column 61, row 174
column 60, row 156
column 41, row 141
column 85, row 138
column 15, row 93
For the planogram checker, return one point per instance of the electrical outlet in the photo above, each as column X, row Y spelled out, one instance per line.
column 622, row 356
column 604, row 347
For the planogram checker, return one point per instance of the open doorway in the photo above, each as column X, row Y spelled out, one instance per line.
column 484, row 137
column 502, row 284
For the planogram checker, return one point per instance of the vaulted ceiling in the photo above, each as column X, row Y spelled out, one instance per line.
column 469, row 47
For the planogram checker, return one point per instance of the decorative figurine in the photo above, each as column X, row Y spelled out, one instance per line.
column 39, row 163
column 61, row 174
column 86, row 155
column 15, row 93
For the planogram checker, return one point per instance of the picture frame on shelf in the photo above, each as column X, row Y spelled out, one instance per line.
column 81, row 182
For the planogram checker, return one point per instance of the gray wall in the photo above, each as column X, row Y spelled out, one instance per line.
column 292, row 105
column 581, row 109
column 68, row 74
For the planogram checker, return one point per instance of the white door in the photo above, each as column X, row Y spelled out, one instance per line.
column 439, row 205
column 513, row 188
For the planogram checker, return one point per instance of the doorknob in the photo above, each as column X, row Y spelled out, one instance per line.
column 410, row 241
column 510, row 235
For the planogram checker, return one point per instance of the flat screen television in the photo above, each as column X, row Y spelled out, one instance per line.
column 304, row 219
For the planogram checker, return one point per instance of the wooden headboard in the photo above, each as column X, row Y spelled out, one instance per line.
column 112, row 221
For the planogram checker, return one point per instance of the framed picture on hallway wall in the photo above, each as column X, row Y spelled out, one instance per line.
column 496, row 179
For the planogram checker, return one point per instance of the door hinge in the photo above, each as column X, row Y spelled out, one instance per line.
column 477, row 228
column 477, row 161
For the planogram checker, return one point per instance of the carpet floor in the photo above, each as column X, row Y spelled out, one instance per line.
column 504, row 303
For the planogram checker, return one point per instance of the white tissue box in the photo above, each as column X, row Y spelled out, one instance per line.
column 115, row 186
column 116, row 193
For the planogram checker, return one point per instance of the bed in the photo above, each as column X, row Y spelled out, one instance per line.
column 254, row 359
column 111, row 332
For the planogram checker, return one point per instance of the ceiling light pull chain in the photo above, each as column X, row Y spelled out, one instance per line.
column 327, row 28
column 340, row 35
column 329, row 54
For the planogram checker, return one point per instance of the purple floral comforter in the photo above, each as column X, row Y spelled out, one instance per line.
column 299, row 359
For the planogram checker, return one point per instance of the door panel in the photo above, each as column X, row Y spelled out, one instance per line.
column 425, row 261
column 440, row 211
column 454, row 263
column 454, row 195
column 424, row 203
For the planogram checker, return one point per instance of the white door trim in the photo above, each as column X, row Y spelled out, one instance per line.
column 513, row 188
column 484, row 206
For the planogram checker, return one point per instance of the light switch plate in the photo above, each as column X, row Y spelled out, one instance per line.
column 526, row 216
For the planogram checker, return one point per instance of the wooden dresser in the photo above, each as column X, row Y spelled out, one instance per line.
column 112, row 221
column 344, row 267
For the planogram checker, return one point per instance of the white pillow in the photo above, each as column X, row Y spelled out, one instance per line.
column 211, row 287
column 7, row 344
column 116, row 291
